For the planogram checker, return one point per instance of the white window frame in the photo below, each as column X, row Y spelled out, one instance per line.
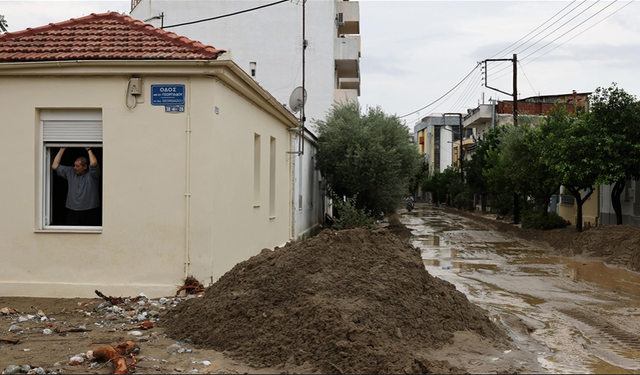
column 47, row 142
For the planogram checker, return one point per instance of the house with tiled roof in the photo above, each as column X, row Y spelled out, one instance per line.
column 195, row 160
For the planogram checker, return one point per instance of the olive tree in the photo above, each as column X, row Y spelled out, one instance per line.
column 367, row 155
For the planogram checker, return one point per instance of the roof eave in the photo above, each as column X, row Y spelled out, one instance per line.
column 225, row 70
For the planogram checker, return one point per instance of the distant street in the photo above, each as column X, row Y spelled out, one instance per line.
column 579, row 316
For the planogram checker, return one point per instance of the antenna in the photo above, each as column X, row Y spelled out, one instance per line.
column 297, row 99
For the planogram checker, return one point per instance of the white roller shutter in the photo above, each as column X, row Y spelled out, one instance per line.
column 72, row 131
column 71, row 126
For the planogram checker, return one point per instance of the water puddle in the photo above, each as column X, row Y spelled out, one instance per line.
column 584, row 312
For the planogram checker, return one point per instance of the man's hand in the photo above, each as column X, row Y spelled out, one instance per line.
column 56, row 160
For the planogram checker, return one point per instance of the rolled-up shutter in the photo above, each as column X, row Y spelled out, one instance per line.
column 71, row 126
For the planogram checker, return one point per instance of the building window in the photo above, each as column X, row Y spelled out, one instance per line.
column 272, row 178
column 256, row 170
column 75, row 131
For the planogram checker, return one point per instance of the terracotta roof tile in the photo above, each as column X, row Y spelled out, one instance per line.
column 105, row 36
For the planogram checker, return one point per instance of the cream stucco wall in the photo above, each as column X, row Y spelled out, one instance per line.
column 177, row 187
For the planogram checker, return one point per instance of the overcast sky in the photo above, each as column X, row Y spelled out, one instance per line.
column 424, row 57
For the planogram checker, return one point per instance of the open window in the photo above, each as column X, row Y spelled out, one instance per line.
column 74, row 130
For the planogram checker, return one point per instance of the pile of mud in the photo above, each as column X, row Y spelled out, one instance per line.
column 617, row 245
column 351, row 301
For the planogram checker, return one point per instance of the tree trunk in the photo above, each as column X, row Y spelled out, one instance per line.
column 580, row 201
column 483, row 203
column 616, row 191
column 545, row 204
column 516, row 208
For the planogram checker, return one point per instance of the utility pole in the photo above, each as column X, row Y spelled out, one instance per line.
column 304, row 49
column 515, row 90
column 514, row 94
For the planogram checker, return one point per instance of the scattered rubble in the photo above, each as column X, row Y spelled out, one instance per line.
column 134, row 317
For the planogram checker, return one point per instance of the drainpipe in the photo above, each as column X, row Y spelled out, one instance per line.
column 187, row 194
column 293, row 186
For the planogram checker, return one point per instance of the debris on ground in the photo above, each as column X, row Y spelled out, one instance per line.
column 191, row 286
column 116, row 301
column 121, row 356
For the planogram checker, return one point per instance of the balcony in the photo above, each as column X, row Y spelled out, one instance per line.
column 350, row 17
column 346, row 53
column 345, row 95
column 479, row 116
column 349, row 84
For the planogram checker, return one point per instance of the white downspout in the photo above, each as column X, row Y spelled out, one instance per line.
column 187, row 194
column 293, row 186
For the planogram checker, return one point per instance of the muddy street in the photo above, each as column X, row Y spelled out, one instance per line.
column 573, row 315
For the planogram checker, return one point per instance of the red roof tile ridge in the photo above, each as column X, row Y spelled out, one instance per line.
column 133, row 23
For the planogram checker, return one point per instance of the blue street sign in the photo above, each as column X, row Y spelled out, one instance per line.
column 171, row 95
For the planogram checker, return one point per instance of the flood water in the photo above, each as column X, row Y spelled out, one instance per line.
column 582, row 316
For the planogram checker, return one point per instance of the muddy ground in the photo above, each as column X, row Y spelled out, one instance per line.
column 355, row 301
column 615, row 245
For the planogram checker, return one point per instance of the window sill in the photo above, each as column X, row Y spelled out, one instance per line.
column 95, row 230
column 272, row 217
column 256, row 206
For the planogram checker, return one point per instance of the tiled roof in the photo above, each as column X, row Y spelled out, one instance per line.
column 105, row 36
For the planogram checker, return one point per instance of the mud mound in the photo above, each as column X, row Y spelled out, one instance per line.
column 618, row 245
column 352, row 301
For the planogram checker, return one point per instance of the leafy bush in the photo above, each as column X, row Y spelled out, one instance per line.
column 535, row 219
column 348, row 216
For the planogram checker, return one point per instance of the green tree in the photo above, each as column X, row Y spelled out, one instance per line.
column 499, row 185
column 522, row 148
column 573, row 154
column 3, row 24
column 614, row 117
column 444, row 186
column 367, row 156
column 473, row 169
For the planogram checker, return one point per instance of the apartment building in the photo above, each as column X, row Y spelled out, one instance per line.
column 269, row 40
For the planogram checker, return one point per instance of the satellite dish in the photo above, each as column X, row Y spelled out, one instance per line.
column 297, row 99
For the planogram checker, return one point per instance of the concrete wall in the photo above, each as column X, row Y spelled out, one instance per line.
column 309, row 196
column 627, row 202
column 177, row 187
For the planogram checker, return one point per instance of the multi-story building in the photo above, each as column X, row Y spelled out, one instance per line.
column 266, row 40
column 438, row 139
column 500, row 112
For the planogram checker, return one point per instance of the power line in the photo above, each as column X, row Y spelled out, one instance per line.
column 226, row 15
column 552, row 17
column 568, row 40
column 573, row 28
column 469, row 92
column 454, row 87
column 525, row 76
column 567, row 32
column 556, row 29
column 559, row 27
